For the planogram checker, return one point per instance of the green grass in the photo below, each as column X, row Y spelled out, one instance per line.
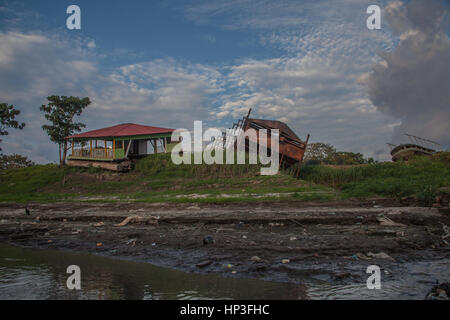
column 419, row 178
column 155, row 179
column 28, row 180
column 161, row 166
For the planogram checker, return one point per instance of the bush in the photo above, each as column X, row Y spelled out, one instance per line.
column 421, row 178
column 14, row 161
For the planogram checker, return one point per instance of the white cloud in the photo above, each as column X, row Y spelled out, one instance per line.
column 36, row 65
column 163, row 92
column 314, row 85
column 91, row 44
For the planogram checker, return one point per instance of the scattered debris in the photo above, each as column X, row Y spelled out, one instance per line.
column 296, row 222
column 126, row 221
column 380, row 255
column 208, row 240
column 255, row 259
column 135, row 218
column 276, row 224
column 99, row 224
column 439, row 292
column 132, row 241
column 361, row 256
column 384, row 221
column 204, row 264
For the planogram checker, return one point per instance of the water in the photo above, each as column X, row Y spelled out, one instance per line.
column 413, row 280
column 41, row 274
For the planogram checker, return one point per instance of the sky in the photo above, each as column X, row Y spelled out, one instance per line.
column 310, row 63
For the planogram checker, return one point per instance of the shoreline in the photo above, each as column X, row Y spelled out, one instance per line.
column 277, row 241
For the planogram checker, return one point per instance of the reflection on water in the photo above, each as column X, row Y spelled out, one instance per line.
column 41, row 274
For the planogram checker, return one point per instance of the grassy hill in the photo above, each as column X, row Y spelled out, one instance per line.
column 157, row 179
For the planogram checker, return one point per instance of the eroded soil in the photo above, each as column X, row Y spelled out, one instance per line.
column 282, row 241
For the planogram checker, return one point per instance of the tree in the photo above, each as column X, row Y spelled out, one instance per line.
column 14, row 161
column 322, row 153
column 347, row 158
column 8, row 115
column 60, row 111
column 319, row 152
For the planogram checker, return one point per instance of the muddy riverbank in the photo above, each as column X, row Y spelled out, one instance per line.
column 288, row 242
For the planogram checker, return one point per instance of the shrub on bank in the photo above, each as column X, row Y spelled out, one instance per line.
column 420, row 178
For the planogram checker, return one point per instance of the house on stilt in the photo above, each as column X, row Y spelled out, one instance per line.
column 112, row 148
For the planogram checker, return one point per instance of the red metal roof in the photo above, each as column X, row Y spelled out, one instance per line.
column 122, row 130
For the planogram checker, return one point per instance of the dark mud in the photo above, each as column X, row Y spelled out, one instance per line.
column 288, row 242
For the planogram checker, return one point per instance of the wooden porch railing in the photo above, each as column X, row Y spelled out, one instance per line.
column 99, row 153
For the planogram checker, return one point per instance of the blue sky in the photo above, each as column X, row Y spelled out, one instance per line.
column 168, row 63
